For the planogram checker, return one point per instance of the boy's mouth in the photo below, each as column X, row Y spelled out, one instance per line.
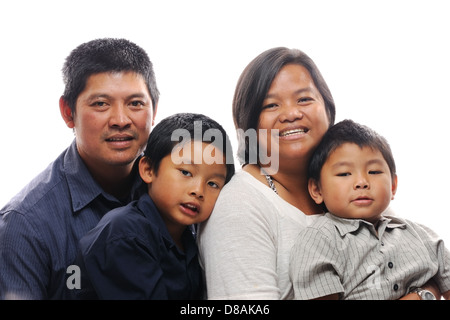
column 190, row 208
column 363, row 200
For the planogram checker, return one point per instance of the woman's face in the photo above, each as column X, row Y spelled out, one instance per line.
column 296, row 110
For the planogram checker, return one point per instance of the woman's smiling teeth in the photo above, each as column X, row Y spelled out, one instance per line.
column 292, row 132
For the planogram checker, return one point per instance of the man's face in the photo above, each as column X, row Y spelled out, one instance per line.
column 113, row 119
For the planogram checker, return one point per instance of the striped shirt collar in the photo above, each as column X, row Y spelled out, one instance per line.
column 345, row 226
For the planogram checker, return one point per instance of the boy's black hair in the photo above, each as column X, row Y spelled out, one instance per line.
column 348, row 131
column 161, row 142
column 106, row 55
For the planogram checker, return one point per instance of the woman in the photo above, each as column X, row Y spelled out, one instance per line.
column 246, row 243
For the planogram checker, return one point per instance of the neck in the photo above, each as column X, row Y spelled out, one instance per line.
column 292, row 176
column 295, row 191
column 115, row 180
column 292, row 185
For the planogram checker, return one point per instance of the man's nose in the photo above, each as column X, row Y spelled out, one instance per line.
column 119, row 116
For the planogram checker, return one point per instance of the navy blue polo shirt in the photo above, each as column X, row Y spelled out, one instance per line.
column 131, row 255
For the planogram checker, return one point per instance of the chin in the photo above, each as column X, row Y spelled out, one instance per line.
column 121, row 162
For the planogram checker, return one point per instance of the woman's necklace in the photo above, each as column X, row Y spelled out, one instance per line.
column 269, row 181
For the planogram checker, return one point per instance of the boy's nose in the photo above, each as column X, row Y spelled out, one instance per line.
column 197, row 190
column 362, row 184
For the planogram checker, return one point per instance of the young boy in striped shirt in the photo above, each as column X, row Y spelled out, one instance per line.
column 355, row 251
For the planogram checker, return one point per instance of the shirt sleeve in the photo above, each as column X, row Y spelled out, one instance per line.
column 438, row 251
column 237, row 248
column 314, row 266
column 24, row 273
column 115, row 268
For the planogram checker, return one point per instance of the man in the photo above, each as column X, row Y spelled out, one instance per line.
column 110, row 102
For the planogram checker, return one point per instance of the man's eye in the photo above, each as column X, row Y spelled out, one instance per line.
column 137, row 103
column 99, row 104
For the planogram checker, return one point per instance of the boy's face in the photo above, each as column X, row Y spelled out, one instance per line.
column 185, row 193
column 113, row 118
column 355, row 183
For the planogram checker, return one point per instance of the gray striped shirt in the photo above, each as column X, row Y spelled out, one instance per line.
column 352, row 258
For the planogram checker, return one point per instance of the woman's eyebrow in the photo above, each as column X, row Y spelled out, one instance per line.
column 299, row 91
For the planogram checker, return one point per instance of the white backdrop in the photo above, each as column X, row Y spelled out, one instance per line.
column 386, row 63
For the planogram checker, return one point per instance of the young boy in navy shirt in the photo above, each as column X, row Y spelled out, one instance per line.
column 147, row 249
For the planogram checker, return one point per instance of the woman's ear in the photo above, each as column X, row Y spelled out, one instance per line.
column 314, row 191
column 146, row 170
column 66, row 113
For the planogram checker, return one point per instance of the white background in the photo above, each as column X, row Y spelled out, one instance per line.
column 387, row 64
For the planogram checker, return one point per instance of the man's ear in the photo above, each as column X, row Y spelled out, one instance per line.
column 314, row 191
column 66, row 113
column 154, row 114
column 146, row 170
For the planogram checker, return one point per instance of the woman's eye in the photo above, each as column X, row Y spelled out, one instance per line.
column 304, row 99
column 269, row 106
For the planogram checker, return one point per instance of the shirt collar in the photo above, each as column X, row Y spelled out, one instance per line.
column 149, row 210
column 345, row 226
column 82, row 186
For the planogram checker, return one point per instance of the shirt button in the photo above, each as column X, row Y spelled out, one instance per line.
column 390, row 265
column 395, row 287
column 382, row 243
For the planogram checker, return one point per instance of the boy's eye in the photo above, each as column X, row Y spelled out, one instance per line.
column 213, row 184
column 343, row 174
column 185, row 173
column 375, row 172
